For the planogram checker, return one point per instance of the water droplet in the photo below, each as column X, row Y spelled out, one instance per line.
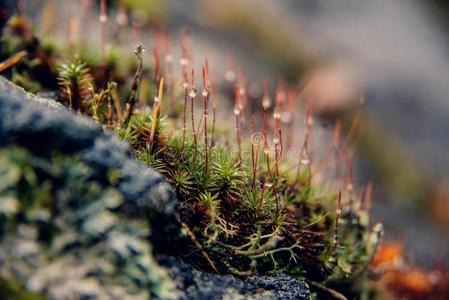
column 204, row 92
column 309, row 121
column 242, row 92
column 230, row 75
column 156, row 99
column 269, row 184
column 266, row 102
column 276, row 116
column 236, row 111
column 168, row 58
column 185, row 85
column 103, row 18
column 276, row 140
column 192, row 92
column 305, row 161
column 184, row 61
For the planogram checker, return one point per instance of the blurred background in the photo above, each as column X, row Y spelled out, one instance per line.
column 395, row 53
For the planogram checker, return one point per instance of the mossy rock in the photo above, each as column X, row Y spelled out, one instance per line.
column 78, row 214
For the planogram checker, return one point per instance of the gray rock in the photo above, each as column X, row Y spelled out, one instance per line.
column 199, row 285
column 43, row 126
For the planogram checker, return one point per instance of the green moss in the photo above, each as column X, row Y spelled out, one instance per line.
column 249, row 215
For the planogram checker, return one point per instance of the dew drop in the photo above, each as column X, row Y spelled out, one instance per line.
column 204, row 92
column 236, row 111
column 168, row 58
column 184, row 61
column 266, row 102
column 185, row 84
column 309, row 121
column 103, row 18
column 230, row 75
column 305, row 161
column 192, row 92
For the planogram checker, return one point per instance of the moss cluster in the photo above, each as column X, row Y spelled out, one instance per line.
column 243, row 214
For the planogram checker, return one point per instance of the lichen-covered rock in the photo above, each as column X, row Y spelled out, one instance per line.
column 43, row 126
column 63, row 235
column 198, row 285
column 77, row 213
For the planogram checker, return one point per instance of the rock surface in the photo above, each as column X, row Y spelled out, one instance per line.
column 77, row 213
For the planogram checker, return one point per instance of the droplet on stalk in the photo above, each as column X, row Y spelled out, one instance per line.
column 266, row 102
column 192, row 92
column 305, row 161
column 184, row 61
column 230, row 75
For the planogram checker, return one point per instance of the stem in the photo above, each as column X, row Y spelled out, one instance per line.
column 197, row 244
column 213, row 114
column 109, row 110
column 103, row 23
column 305, row 153
column 192, row 109
column 332, row 292
column 349, row 186
column 270, row 171
column 237, row 113
column 184, row 120
column 12, row 60
column 111, row 87
column 205, row 94
column 118, row 106
column 136, row 82
column 266, row 103
column 278, row 159
column 156, row 111
column 337, row 218
column 251, row 130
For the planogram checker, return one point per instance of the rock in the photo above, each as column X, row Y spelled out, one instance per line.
column 79, row 216
column 199, row 285
column 43, row 126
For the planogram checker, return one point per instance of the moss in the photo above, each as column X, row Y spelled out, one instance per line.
column 243, row 207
